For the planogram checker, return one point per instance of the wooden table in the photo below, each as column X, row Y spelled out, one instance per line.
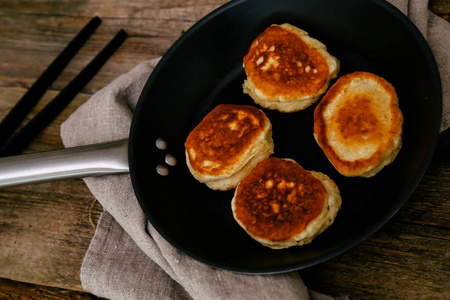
column 45, row 229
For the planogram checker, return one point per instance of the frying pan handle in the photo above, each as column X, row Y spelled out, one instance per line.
column 77, row 162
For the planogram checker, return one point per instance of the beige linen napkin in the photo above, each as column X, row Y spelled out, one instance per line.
column 127, row 258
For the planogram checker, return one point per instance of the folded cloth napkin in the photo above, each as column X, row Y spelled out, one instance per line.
column 127, row 258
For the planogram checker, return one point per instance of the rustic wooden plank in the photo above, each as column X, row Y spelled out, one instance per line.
column 398, row 262
column 49, row 138
column 429, row 205
column 440, row 7
column 45, row 231
column 10, row 289
column 34, row 33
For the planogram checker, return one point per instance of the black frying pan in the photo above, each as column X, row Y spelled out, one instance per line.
column 204, row 69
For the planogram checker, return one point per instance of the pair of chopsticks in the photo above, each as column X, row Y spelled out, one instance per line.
column 14, row 144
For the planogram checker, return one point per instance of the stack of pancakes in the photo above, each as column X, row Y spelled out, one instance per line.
column 287, row 70
column 227, row 144
column 358, row 125
column 280, row 204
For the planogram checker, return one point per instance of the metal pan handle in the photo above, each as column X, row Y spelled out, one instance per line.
column 77, row 162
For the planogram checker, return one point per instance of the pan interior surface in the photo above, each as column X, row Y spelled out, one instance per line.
column 204, row 68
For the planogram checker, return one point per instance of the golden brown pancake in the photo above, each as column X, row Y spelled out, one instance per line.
column 227, row 144
column 286, row 69
column 280, row 204
column 358, row 124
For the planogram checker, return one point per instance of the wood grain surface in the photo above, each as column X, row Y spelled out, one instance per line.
column 45, row 229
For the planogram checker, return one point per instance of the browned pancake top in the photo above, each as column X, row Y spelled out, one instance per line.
column 359, row 121
column 280, row 64
column 278, row 199
column 222, row 137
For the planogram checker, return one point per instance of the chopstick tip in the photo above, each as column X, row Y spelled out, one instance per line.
column 123, row 33
column 96, row 19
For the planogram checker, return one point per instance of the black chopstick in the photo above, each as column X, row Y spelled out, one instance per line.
column 19, row 141
column 18, row 113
